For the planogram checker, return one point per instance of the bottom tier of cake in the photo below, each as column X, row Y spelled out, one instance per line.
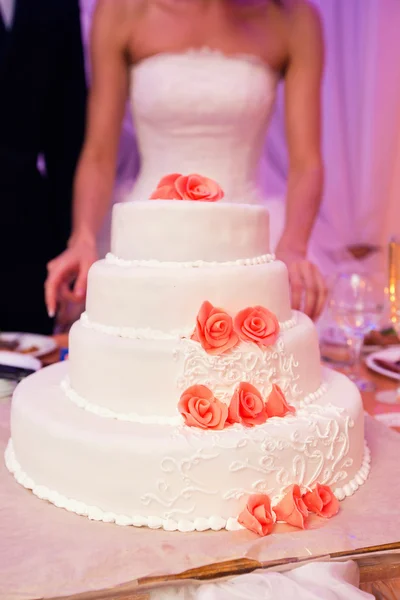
column 176, row 477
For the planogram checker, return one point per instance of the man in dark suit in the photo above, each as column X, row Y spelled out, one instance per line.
column 42, row 114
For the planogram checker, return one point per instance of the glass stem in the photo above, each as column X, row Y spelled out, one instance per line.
column 355, row 344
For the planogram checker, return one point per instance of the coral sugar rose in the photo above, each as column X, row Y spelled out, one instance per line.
column 214, row 330
column 258, row 516
column 166, row 188
column 200, row 408
column 292, row 509
column 257, row 324
column 322, row 501
column 197, row 187
column 277, row 405
column 247, row 406
column 187, row 187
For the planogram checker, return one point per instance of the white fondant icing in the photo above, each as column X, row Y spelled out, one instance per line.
column 106, row 413
column 197, row 264
column 101, row 411
column 361, row 477
column 134, row 333
column 146, row 377
column 175, row 473
column 186, row 231
column 170, row 299
column 313, row 396
column 154, row 334
column 183, row 525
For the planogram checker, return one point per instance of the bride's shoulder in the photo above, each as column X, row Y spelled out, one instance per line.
column 300, row 10
column 302, row 21
column 119, row 10
column 115, row 19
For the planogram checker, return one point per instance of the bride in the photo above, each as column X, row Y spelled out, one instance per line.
column 202, row 77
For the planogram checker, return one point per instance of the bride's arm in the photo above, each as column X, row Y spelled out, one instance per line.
column 106, row 108
column 303, row 130
column 96, row 168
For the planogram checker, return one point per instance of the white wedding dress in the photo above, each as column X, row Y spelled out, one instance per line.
column 202, row 112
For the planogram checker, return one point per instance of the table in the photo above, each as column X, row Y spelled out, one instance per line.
column 379, row 574
column 371, row 404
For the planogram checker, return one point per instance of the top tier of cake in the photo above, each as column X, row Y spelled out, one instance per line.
column 142, row 285
column 184, row 231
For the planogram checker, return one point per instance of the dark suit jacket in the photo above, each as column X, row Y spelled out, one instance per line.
column 42, row 112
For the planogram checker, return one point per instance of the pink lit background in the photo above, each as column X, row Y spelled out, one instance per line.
column 361, row 204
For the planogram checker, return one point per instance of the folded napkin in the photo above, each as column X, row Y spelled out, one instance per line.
column 315, row 581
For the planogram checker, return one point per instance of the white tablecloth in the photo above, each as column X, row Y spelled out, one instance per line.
column 317, row 581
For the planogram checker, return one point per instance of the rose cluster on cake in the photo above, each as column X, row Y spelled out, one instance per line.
column 218, row 332
column 293, row 508
column 200, row 408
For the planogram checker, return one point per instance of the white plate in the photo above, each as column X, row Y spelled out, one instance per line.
column 391, row 354
column 43, row 343
column 6, row 389
column 389, row 419
column 15, row 359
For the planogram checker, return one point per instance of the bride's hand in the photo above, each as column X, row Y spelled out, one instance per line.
column 67, row 274
column 308, row 288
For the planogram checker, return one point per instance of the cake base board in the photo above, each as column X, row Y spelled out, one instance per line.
column 47, row 552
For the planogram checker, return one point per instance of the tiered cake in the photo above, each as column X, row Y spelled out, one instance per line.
column 156, row 418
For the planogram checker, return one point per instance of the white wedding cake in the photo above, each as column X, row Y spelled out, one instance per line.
column 191, row 385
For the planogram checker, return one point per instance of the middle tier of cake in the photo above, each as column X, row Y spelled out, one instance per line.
column 167, row 296
column 142, row 378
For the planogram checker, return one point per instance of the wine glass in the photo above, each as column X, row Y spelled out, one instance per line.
column 357, row 306
column 393, row 396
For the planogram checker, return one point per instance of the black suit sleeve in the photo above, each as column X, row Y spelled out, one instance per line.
column 65, row 116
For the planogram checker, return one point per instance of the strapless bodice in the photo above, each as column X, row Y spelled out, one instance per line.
column 202, row 112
